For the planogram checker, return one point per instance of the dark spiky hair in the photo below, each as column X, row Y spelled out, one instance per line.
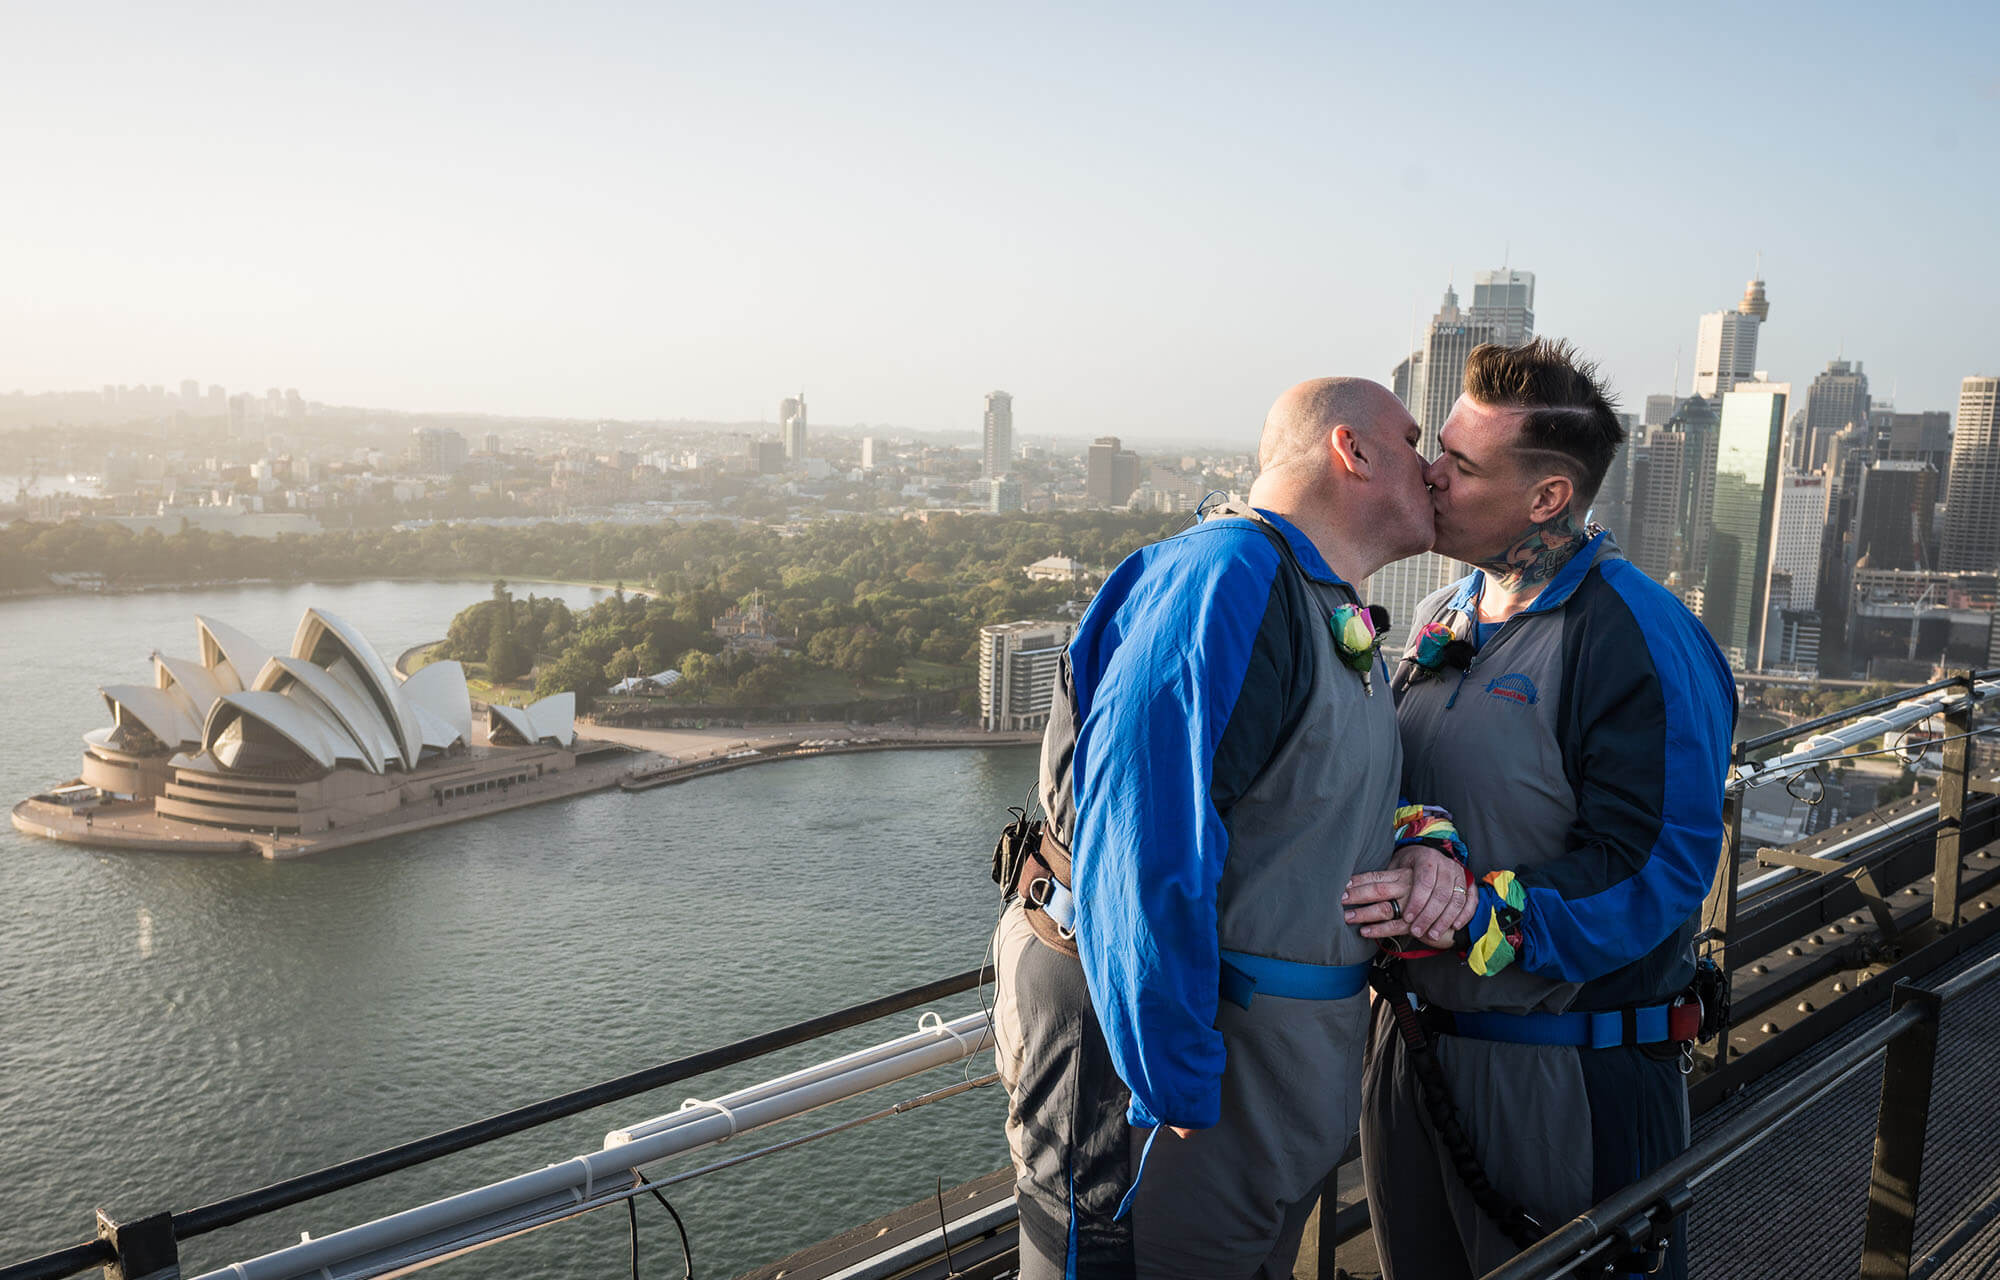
column 1570, row 422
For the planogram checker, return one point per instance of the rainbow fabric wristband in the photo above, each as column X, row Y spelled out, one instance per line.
column 1496, row 925
column 1428, row 824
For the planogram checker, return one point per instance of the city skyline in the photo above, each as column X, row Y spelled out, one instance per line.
column 397, row 224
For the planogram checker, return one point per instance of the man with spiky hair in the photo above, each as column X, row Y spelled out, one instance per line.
column 1575, row 719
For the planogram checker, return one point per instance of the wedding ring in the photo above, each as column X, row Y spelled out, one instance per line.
column 1395, row 908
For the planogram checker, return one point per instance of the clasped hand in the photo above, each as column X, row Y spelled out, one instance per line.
column 1430, row 885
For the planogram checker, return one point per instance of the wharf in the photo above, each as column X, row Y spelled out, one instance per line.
column 794, row 744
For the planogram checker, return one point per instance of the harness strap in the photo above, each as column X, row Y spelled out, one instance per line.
column 1245, row 976
column 1648, row 1024
column 1043, row 888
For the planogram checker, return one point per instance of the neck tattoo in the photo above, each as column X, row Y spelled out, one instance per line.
column 1532, row 558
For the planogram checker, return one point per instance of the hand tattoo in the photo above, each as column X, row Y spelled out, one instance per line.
column 1537, row 555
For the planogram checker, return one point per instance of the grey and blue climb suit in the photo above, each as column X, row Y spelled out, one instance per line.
column 1584, row 749
column 1217, row 774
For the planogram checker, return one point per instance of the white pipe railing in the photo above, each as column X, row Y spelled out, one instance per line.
column 433, row 1231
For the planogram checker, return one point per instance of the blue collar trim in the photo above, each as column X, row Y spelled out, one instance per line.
column 1553, row 596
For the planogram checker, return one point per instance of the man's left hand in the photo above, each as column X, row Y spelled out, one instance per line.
column 1429, row 885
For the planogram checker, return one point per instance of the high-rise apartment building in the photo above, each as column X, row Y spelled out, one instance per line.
column 1837, row 399
column 868, row 453
column 1111, row 474
column 1659, row 409
column 1003, row 494
column 190, row 393
column 1505, row 302
column 1972, row 492
column 792, row 428
column 1746, row 492
column 1439, row 376
column 999, row 434
column 438, row 451
column 1018, row 663
column 1725, row 351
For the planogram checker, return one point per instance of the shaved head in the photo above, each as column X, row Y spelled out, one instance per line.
column 1296, row 429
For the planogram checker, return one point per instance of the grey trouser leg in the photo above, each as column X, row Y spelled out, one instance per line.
column 1227, row 1203
column 1232, row 1201
column 1528, row 1115
column 1066, row 1124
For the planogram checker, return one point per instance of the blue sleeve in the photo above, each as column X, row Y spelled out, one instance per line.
column 1159, row 663
column 1653, row 709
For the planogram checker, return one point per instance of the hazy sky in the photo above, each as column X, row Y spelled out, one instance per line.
column 1144, row 220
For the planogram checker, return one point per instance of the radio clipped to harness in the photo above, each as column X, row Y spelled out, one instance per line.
column 1011, row 851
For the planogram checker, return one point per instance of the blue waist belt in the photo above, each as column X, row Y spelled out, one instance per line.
column 1608, row 1030
column 1244, row 976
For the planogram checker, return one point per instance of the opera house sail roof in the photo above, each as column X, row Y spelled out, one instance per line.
column 331, row 703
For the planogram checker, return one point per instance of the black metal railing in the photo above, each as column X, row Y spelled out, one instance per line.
column 1733, row 944
column 147, row 1245
column 1644, row 1211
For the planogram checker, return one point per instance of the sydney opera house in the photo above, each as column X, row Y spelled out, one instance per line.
column 298, row 743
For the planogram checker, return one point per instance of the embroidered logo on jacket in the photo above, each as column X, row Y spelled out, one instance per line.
column 1514, row 687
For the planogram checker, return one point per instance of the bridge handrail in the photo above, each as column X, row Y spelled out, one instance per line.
column 290, row 1191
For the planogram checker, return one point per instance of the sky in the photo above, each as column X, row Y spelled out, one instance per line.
column 1143, row 220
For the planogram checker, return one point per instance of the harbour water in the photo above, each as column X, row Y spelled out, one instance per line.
column 177, row 1028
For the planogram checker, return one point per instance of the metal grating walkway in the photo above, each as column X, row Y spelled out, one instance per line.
column 1792, row 1207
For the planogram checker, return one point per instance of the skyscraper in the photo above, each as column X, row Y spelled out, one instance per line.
column 999, row 437
column 1798, row 535
column 1913, row 437
column 1837, row 399
column 1439, row 376
column 1798, row 529
column 1402, row 379
column 868, row 453
column 1505, row 300
column 1972, row 493
column 1612, row 507
column 190, row 393
column 1746, row 491
column 1654, row 544
column 1725, row 350
column 792, row 427
column 1659, row 409
column 1694, row 509
column 1892, row 514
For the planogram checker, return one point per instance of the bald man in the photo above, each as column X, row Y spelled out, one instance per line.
column 1180, row 1019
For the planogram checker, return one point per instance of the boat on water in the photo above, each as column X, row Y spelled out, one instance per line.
column 1865, row 963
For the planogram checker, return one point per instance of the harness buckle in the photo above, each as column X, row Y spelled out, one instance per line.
column 1039, row 890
